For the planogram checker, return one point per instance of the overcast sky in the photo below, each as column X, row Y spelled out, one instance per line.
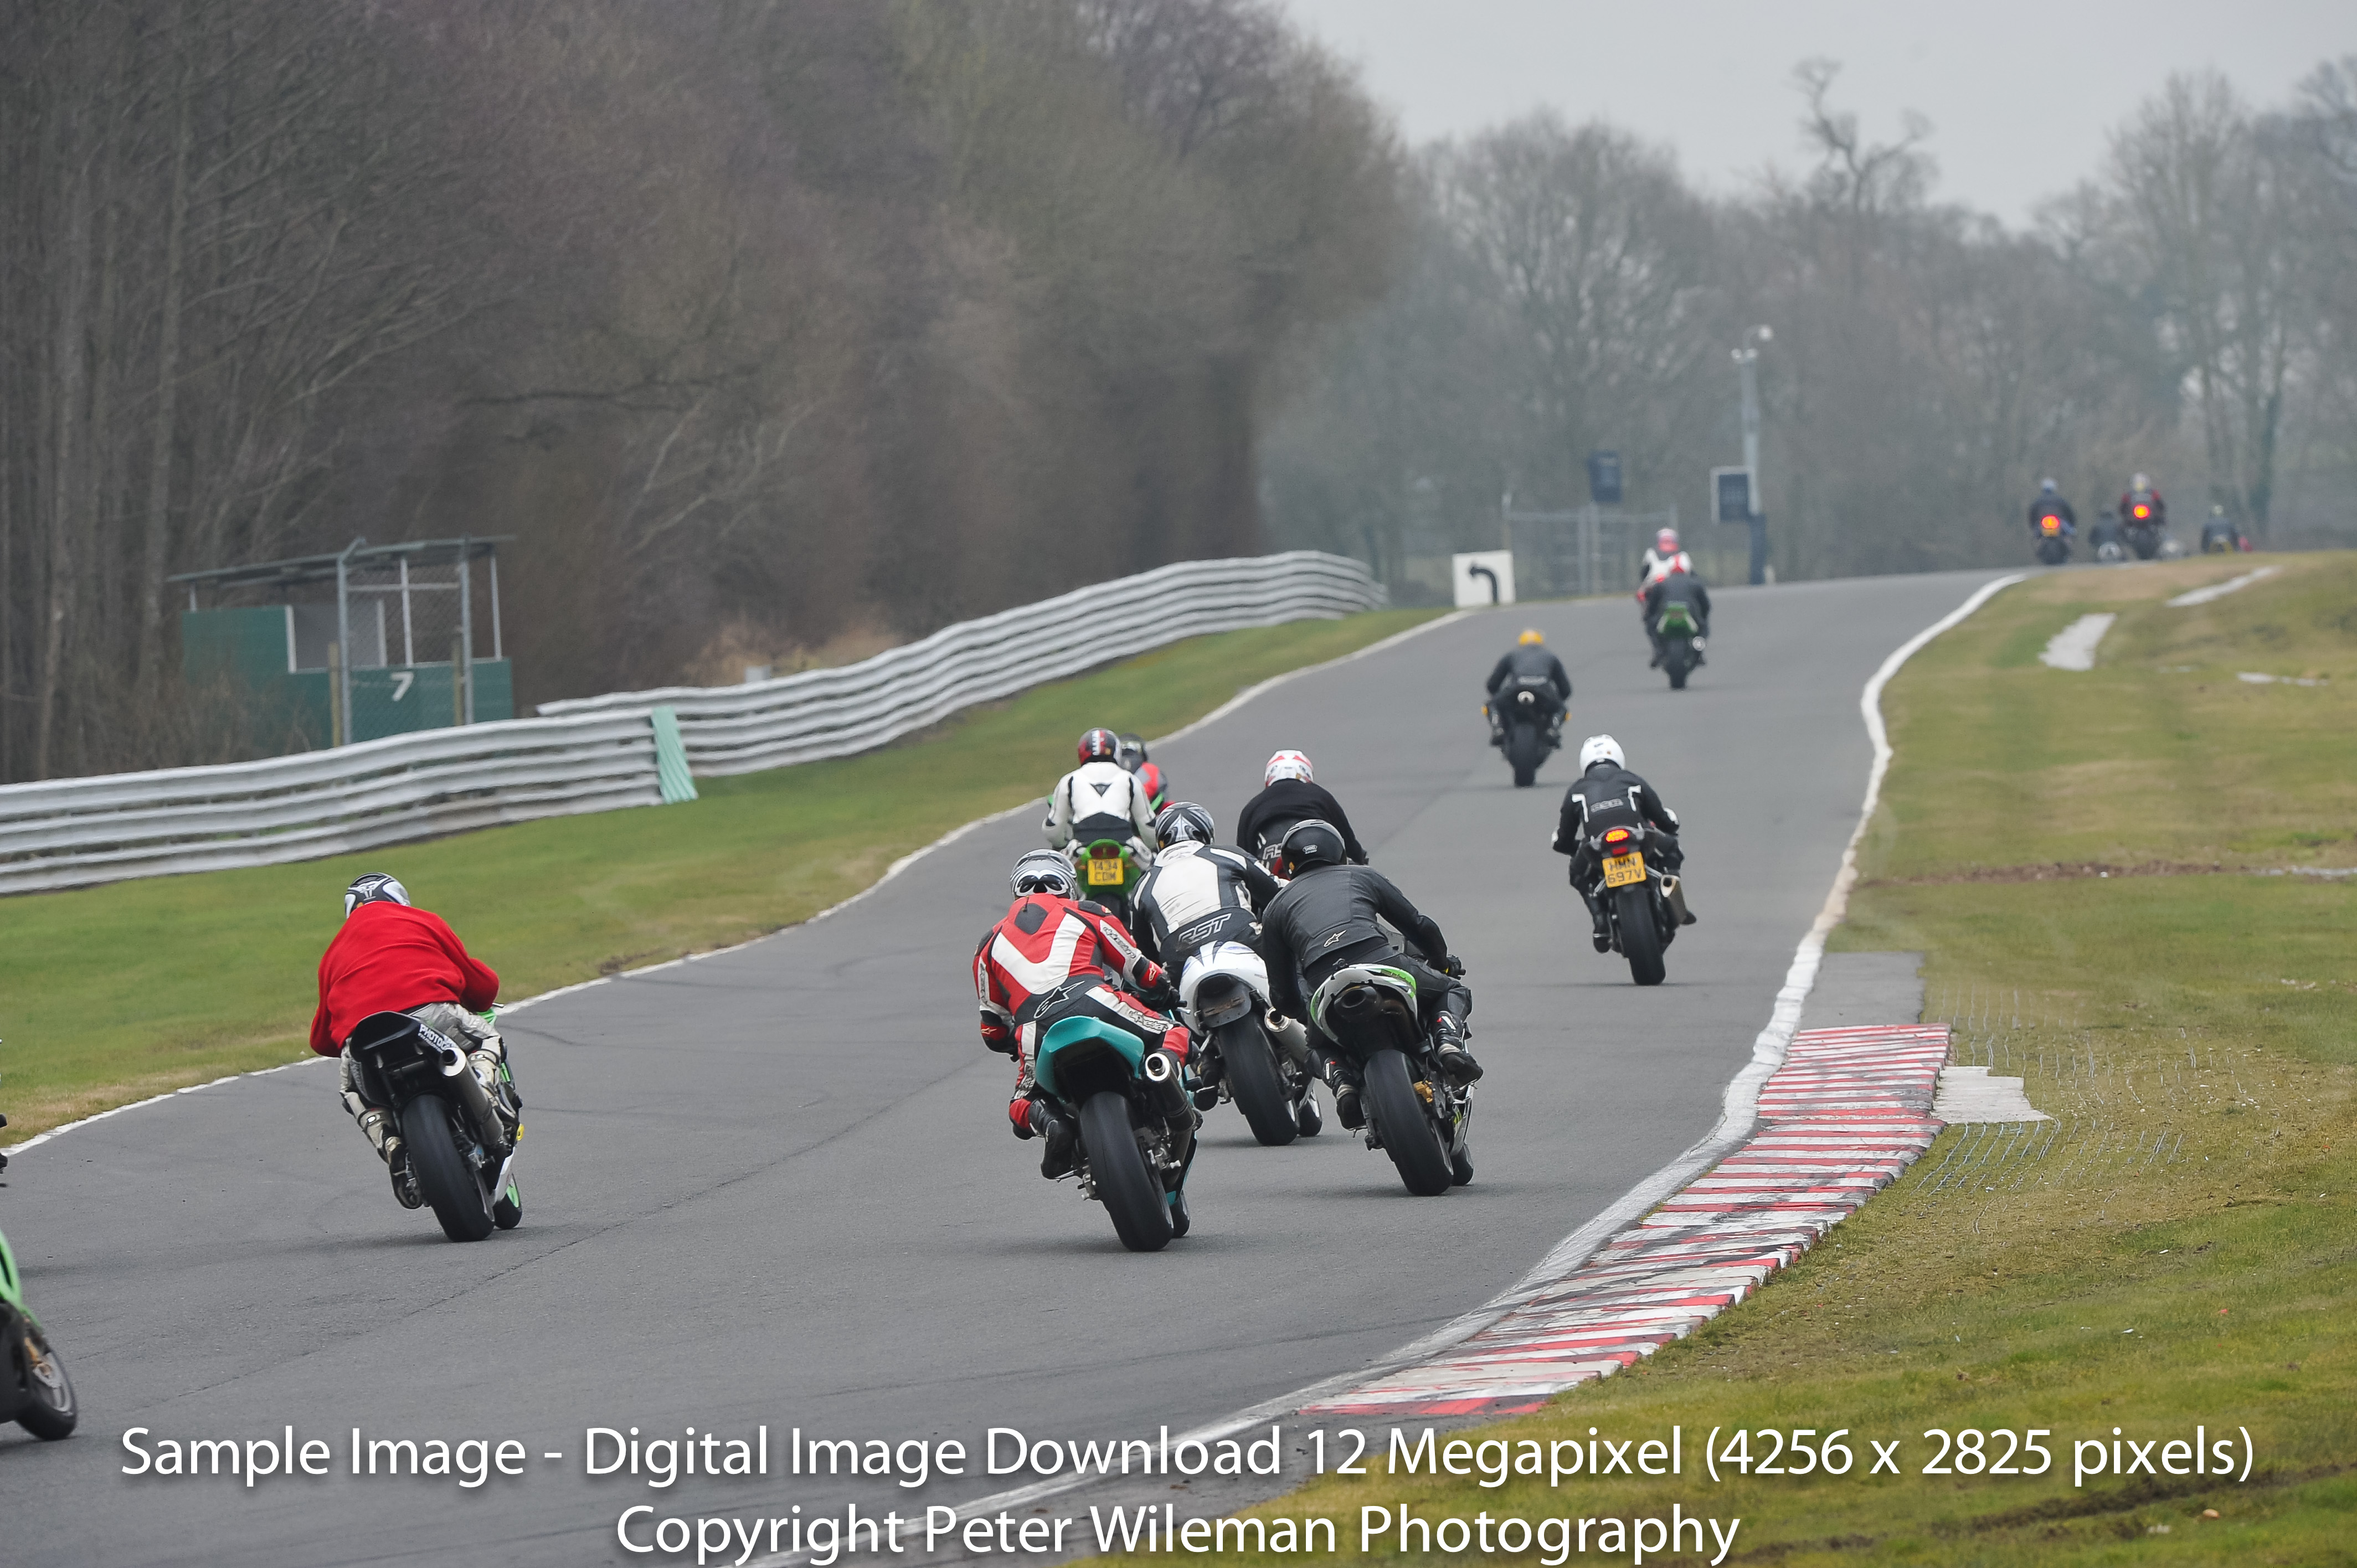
column 2021, row 94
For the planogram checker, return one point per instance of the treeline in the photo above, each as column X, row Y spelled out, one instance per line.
column 761, row 326
column 2190, row 312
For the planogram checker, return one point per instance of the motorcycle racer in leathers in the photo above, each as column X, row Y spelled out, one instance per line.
column 1325, row 920
column 390, row 957
column 1052, row 956
column 1607, row 795
column 1100, row 800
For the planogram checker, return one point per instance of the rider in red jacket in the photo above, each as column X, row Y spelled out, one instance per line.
column 390, row 957
column 1053, row 957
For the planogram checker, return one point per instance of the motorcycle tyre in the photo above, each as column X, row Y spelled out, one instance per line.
column 452, row 1188
column 1525, row 749
column 1406, row 1127
column 1677, row 663
column 507, row 1212
column 1252, row 1078
column 1140, row 1208
column 1641, row 939
column 52, row 1411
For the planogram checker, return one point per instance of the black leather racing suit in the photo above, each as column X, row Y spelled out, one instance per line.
column 1531, row 665
column 1681, row 588
column 1608, row 796
column 1326, row 920
column 1269, row 815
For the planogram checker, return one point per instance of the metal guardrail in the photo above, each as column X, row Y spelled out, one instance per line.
column 600, row 753
column 833, row 712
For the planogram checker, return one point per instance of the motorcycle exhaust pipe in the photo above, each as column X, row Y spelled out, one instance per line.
column 1165, row 1083
column 1674, row 893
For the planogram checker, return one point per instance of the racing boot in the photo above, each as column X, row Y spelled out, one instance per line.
column 1043, row 1120
column 1603, row 922
column 1343, row 1080
column 379, row 1126
column 1456, row 1063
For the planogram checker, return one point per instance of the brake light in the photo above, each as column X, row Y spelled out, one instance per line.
column 1617, row 835
column 2051, row 523
column 2144, row 511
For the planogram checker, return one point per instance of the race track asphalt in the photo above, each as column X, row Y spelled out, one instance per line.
column 776, row 1185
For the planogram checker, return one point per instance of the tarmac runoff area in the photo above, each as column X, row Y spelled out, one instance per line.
column 773, row 1186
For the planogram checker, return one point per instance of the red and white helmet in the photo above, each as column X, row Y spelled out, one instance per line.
column 1287, row 765
column 1666, row 542
column 1099, row 745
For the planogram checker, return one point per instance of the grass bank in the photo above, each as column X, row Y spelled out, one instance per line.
column 2179, row 1248
column 110, row 994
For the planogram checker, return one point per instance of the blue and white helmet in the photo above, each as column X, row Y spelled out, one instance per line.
column 375, row 888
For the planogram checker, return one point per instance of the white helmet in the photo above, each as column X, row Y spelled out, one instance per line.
column 1599, row 748
column 2141, row 482
column 1666, row 542
column 1287, row 765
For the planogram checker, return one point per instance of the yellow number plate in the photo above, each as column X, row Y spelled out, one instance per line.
column 1622, row 870
column 1104, row 871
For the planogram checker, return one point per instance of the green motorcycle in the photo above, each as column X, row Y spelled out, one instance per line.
column 35, row 1392
column 1108, row 871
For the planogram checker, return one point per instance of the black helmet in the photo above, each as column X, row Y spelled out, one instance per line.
column 1308, row 844
column 1183, row 821
column 1132, row 755
column 1041, row 871
column 375, row 888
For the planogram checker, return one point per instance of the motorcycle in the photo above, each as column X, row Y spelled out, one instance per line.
column 1108, row 871
column 1680, row 638
column 458, row 1130
column 2053, row 541
column 1137, row 1129
column 1526, row 724
column 2142, row 527
column 1223, row 996
column 35, row 1391
column 1643, row 905
column 1414, row 1113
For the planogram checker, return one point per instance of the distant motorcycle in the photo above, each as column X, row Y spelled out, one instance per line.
column 1138, row 1130
column 2141, row 525
column 1529, row 721
column 1680, row 637
column 2054, row 540
column 1414, row 1113
column 35, row 1391
column 458, row 1132
column 1643, row 904
column 1224, row 995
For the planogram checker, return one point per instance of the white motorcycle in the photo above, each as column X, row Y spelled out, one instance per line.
column 1249, row 1055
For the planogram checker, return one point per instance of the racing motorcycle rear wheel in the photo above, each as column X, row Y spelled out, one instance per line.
column 1641, row 939
column 1140, row 1208
column 1258, row 1087
column 461, row 1199
column 49, row 1411
column 1525, row 749
column 1405, row 1126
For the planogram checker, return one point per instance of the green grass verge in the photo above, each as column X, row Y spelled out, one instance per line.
column 2179, row 1245
column 110, row 994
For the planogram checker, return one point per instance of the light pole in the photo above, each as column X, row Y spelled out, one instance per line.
column 1746, row 358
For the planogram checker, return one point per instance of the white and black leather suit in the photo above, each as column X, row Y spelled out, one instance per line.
column 1529, row 664
column 1268, row 816
column 1325, row 920
column 1196, row 895
column 1608, row 796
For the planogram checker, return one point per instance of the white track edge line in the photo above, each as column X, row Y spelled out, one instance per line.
column 891, row 871
column 1739, row 1112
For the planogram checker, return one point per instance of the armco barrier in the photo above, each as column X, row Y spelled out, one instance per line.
column 600, row 753
column 833, row 712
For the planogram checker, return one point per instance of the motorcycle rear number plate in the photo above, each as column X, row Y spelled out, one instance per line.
column 1104, row 872
column 1622, row 870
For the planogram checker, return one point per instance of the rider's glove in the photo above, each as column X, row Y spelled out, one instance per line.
column 1453, row 967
